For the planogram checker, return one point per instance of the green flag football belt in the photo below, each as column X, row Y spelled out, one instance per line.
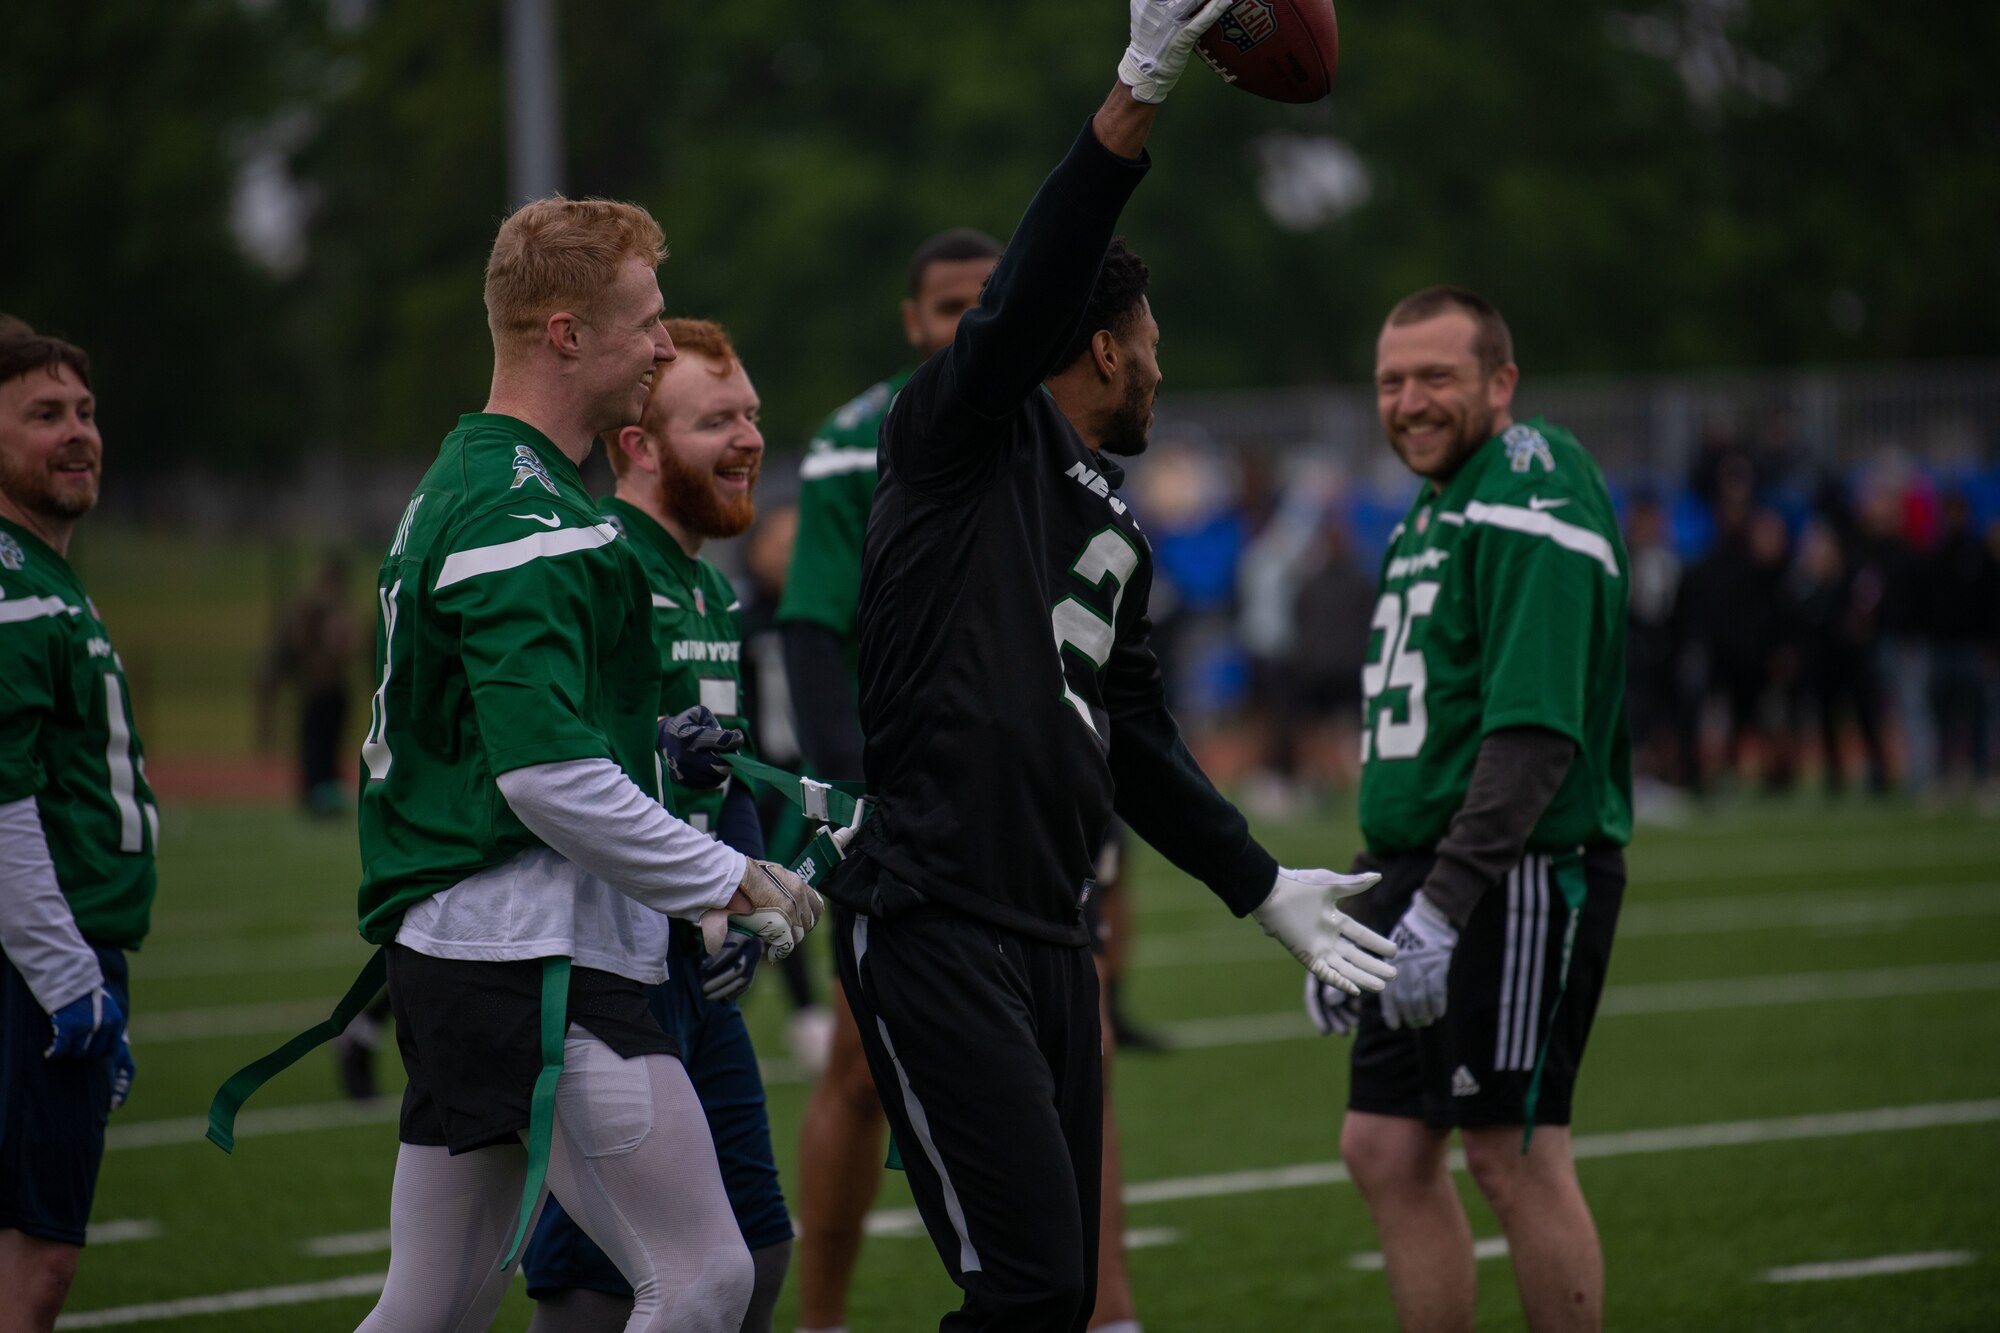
column 829, row 803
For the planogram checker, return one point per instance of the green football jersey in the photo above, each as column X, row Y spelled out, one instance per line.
column 836, row 488
column 1502, row 605
column 515, row 629
column 699, row 639
column 66, row 739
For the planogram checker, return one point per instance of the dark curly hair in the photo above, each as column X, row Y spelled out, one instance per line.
column 1114, row 301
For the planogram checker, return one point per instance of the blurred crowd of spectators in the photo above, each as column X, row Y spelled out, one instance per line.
column 1791, row 623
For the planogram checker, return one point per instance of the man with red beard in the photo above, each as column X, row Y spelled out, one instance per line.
column 687, row 473
column 77, row 832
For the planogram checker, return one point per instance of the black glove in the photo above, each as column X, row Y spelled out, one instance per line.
column 727, row 973
column 692, row 742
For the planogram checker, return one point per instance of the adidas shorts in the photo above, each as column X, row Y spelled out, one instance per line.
column 1505, row 1001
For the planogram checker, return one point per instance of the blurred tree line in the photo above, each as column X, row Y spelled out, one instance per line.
column 267, row 219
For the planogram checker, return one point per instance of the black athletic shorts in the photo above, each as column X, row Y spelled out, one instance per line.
column 471, row 1038
column 52, row 1113
column 1505, row 999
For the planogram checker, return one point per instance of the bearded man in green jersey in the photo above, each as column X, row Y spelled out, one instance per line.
column 1496, row 802
column 78, row 829
column 687, row 473
column 516, row 861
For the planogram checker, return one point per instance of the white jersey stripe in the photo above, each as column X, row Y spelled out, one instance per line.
column 462, row 565
column 665, row 603
column 835, row 462
column 118, row 762
column 34, row 608
column 1537, row 523
column 968, row 1258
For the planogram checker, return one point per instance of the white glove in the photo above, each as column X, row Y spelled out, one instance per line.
column 783, row 908
column 1425, row 938
column 1332, row 1010
column 1163, row 36
column 1300, row 914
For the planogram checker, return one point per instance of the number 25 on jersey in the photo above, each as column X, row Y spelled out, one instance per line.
column 1398, row 668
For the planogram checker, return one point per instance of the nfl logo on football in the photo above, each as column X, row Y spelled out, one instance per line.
column 1248, row 23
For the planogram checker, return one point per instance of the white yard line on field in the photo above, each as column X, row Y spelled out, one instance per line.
column 1658, row 997
column 1682, row 1138
column 228, row 1302
column 904, row 1221
column 1655, row 997
column 121, row 1229
column 1487, row 1247
column 1877, row 1267
column 253, row 1124
column 352, row 1242
column 1845, row 911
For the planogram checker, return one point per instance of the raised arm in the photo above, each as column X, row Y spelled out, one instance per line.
column 1008, row 344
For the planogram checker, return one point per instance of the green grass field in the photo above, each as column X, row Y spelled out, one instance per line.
column 1798, row 1062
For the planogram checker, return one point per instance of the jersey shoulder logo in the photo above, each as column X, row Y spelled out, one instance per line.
column 12, row 556
column 870, row 403
column 1525, row 446
column 528, row 466
column 1539, row 503
column 617, row 522
column 552, row 521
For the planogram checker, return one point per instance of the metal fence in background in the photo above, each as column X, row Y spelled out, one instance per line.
column 1945, row 416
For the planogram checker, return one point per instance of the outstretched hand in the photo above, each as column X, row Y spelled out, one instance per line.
column 1300, row 914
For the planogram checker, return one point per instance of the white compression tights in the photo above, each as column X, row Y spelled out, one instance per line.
column 632, row 1163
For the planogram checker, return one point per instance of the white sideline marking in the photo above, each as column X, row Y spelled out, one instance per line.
column 1146, row 1238
column 1888, row 1263
column 1721, row 1134
column 124, row 1229
column 1659, row 997
column 904, row 1221
column 1250, row 1029
column 353, row 1242
column 1847, row 911
column 1371, row 1261
column 229, row 1020
column 257, row 1298
column 253, row 1124
column 1656, row 997
column 329, row 949
column 1223, row 943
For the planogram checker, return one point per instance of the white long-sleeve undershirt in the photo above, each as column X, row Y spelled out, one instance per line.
column 615, row 867
column 38, row 931
column 596, row 816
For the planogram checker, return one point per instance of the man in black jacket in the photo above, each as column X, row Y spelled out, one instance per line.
column 1010, row 703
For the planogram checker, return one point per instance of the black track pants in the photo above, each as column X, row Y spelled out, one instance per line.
column 984, row 1045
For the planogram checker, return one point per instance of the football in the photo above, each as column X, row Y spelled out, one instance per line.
column 1284, row 50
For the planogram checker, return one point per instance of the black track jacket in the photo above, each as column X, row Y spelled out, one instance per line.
column 1009, row 698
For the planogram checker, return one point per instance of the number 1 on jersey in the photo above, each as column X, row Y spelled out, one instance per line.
column 375, row 750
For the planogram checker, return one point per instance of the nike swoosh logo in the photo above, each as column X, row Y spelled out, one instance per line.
column 550, row 522
column 1537, row 503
